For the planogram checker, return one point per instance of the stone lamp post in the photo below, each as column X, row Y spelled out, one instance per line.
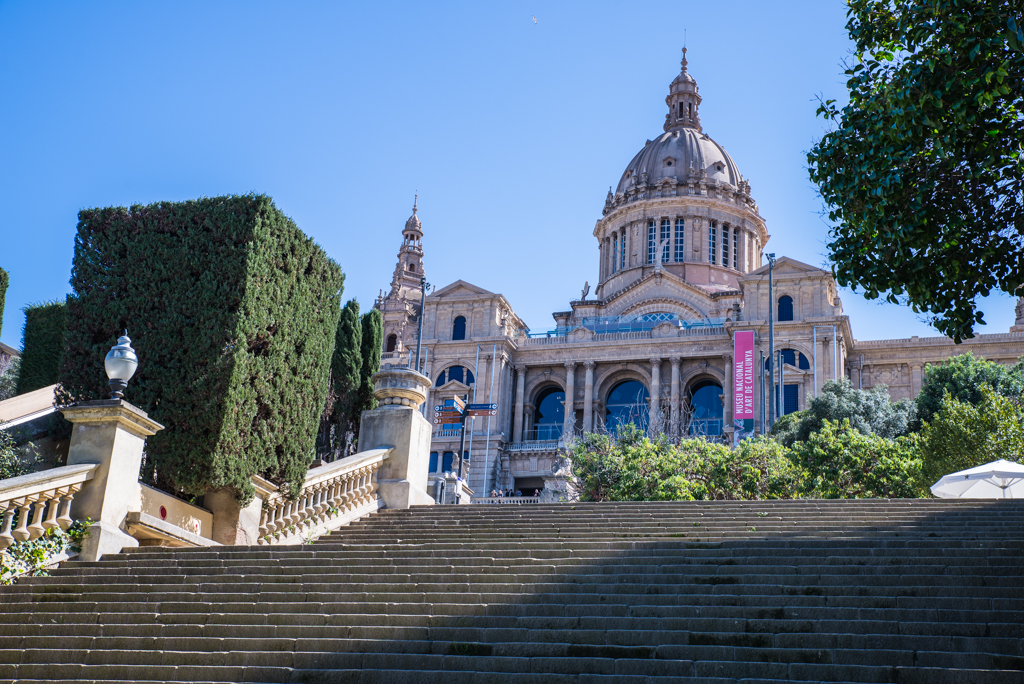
column 112, row 434
column 398, row 424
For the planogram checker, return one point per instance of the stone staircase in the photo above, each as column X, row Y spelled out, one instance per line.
column 923, row 591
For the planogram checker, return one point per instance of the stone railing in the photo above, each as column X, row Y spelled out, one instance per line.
column 42, row 500
column 534, row 445
column 333, row 495
column 507, row 500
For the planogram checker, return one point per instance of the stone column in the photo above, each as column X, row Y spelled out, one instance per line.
column 517, row 425
column 588, row 397
column 674, row 412
column 915, row 380
column 397, row 424
column 570, row 398
column 111, row 433
column 653, row 420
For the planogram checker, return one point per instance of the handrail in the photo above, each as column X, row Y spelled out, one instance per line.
column 333, row 495
column 50, row 492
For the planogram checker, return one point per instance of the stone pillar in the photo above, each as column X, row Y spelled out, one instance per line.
column 234, row 525
column 398, row 425
column 588, row 397
column 674, row 412
column 570, row 398
column 111, row 433
column 654, row 420
column 915, row 380
column 528, row 413
column 517, row 425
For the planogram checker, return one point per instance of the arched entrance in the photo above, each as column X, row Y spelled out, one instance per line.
column 705, row 408
column 628, row 402
column 549, row 417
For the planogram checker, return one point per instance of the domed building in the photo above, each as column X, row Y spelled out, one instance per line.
column 682, row 277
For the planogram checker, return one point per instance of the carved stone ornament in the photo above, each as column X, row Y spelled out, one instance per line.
column 398, row 387
column 665, row 329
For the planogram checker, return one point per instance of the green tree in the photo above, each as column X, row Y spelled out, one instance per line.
column 841, row 462
column 341, row 419
column 372, row 346
column 964, row 376
column 868, row 411
column 42, row 345
column 923, row 175
column 9, row 378
column 4, row 281
column 963, row 434
column 11, row 463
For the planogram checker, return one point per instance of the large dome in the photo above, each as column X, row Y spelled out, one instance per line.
column 680, row 154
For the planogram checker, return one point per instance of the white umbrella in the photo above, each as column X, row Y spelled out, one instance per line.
column 996, row 480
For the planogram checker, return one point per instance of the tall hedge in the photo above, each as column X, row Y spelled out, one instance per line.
column 373, row 345
column 42, row 344
column 4, row 282
column 233, row 312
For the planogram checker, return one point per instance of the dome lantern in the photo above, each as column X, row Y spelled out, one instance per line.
column 683, row 101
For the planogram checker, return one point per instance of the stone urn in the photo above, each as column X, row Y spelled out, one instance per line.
column 400, row 387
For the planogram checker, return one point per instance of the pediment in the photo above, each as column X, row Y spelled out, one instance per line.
column 453, row 386
column 674, row 294
column 788, row 265
column 460, row 288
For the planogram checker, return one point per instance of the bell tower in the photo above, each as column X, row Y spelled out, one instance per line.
column 401, row 305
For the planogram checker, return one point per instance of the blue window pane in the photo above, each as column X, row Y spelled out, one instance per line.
column 549, row 417
column 789, row 356
column 465, row 456
column 790, row 398
column 459, row 328
column 433, row 461
column 706, row 403
column 785, row 308
column 469, row 377
column 446, row 462
column 456, row 373
column 804, row 365
column 440, row 379
column 627, row 403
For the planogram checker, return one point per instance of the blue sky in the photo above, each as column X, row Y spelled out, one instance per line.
column 510, row 130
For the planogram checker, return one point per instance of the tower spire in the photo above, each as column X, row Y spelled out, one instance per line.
column 683, row 100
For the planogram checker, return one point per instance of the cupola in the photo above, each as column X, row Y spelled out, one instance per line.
column 683, row 101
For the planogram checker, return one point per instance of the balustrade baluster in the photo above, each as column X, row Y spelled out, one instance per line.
column 51, row 510
column 6, row 538
column 21, row 532
column 64, row 519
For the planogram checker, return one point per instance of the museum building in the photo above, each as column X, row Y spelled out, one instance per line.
column 682, row 267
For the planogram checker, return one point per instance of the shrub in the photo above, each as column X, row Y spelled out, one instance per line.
column 31, row 557
column 233, row 312
column 868, row 411
column 962, row 377
column 962, row 435
column 42, row 345
column 841, row 462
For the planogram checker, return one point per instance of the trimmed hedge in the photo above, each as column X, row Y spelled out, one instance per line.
column 233, row 312
column 42, row 344
column 4, row 282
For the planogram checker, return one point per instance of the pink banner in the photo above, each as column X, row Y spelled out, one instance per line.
column 743, row 369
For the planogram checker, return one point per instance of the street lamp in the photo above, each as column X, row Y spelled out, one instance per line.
column 120, row 365
column 773, row 413
column 424, row 286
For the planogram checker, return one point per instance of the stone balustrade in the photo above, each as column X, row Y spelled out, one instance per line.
column 41, row 500
column 333, row 495
column 507, row 500
column 534, row 445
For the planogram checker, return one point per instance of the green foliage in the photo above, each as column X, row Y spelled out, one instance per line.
column 924, row 173
column 341, row 417
column 841, row 462
column 633, row 467
column 373, row 342
column 964, row 376
column 869, row 411
column 11, row 464
column 31, row 557
column 9, row 378
column 965, row 434
column 4, row 282
column 42, row 345
column 233, row 313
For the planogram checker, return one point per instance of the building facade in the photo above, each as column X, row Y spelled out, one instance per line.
column 682, row 267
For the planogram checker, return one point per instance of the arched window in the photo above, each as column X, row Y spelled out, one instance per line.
column 433, row 461
column 392, row 343
column 615, row 253
column 457, row 373
column 706, row 408
column 627, row 403
column 549, row 417
column 785, row 308
column 447, row 460
column 793, row 358
column 459, row 328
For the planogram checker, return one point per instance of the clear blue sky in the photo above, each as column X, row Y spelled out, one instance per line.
column 511, row 131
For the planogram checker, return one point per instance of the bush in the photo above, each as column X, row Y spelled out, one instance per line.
column 42, row 345
column 868, row 411
column 841, row 462
column 962, row 435
column 963, row 377
column 634, row 467
column 11, row 464
column 233, row 312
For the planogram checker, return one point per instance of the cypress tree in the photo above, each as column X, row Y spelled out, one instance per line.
column 42, row 345
column 373, row 341
column 4, row 281
column 341, row 420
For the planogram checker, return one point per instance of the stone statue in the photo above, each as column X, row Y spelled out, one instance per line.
column 661, row 252
column 586, row 291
